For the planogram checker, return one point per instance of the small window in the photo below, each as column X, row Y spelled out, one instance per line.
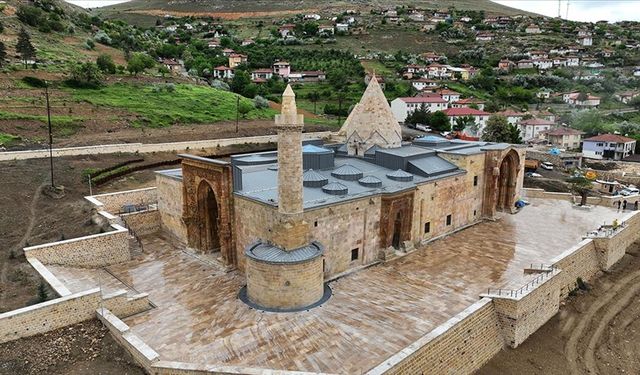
column 474, row 213
column 354, row 254
column 475, row 180
column 315, row 223
column 448, row 219
column 427, row 227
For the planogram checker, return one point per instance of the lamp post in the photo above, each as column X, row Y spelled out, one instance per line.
column 237, row 112
column 46, row 94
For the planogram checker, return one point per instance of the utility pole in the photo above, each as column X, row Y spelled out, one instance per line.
column 46, row 94
column 237, row 112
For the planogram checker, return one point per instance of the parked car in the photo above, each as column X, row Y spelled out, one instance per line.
column 546, row 165
column 424, row 128
column 532, row 174
column 630, row 191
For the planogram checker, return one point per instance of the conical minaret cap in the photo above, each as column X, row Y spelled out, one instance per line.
column 289, row 111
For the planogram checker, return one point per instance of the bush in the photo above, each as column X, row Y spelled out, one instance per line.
column 260, row 102
column 106, row 64
column 102, row 37
column 89, row 44
column 220, row 85
column 34, row 81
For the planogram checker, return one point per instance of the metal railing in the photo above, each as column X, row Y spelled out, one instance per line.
column 133, row 208
column 543, row 267
column 520, row 292
column 135, row 236
column 606, row 231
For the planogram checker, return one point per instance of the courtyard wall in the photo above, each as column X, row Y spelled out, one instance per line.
column 170, row 204
column 97, row 250
column 143, row 222
column 113, row 202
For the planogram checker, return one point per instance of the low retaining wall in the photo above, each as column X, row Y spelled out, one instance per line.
column 208, row 144
column 65, row 311
column 97, row 250
column 580, row 261
column 113, row 202
column 605, row 201
column 143, row 222
column 460, row 346
column 50, row 278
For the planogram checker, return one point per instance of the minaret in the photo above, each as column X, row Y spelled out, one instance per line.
column 289, row 126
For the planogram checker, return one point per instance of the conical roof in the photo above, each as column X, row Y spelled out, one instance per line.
column 312, row 178
column 347, row 172
column 335, row 188
column 370, row 181
column 372, row 121
column 400, row 175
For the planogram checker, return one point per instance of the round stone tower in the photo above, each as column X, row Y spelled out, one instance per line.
column 285, row 273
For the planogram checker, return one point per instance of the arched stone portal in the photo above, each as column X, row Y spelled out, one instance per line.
column 208, row 207
column 507, row 181
column 395, row 219
column 209, row 218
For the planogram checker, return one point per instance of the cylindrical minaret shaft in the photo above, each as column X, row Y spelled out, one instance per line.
column 289, row 125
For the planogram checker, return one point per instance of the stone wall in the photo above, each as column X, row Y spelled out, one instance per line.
column 170, row 204
column 612, row 249
column 113, row 202
column 460, row 346
column 64, row 311
column 339, row 228
column 522, row 315
column 580, row 261
column 143, row 222
column 284, row 286
column 97, row 250
column 605, row 201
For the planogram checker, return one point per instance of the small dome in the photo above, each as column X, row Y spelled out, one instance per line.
column 347, row 172
column 400, row 175
column 312, row 178
column 312, row 149
column 335, row 188
column 370, row 181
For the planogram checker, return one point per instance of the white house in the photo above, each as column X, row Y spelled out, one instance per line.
column 281, row 68
column 342, row 27
column 608, row 146
column 543, row 64
column 223, row 72
column 513, row 117
column 402, row 107
column 627, row 96
column 479, row 117
column 636, row 71
column 573, row 99
column 466, row 103
column 261, row 74
column 424, row 83
column 573, row 61
column 326, row 29
column 532, row 29
column 531, row 128
column 586, row 40
column 484, row 37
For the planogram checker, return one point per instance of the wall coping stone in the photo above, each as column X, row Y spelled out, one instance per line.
column 118, row 229
column 225, row 370
column 49, row 277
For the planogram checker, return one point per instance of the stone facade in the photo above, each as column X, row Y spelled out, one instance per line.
column 170, row 205
column 284, row 286
column 97, row 250
column 113, row 202
column 144, row 222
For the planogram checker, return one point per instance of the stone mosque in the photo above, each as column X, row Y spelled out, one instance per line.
column 292, row 219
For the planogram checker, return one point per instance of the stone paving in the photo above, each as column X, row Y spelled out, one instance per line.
column 373, row 313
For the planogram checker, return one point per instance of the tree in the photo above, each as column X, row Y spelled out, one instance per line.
column 3, row 54
column 86, row 75
column 139, row 62
column 581, row 186
column 24, row 47
column 314, row 96
column 244, row 108
column 439, row 121
column 241, row 79
column 419, row 116
column 498, row 129
column 635, row 102
column 106, row 64
column 463, row 122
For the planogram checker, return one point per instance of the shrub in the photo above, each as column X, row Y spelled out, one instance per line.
column 106, row 64
column 220, row 85
column 260, row 102
column 102, row 37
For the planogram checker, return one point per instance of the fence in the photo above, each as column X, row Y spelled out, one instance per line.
column 511, row 293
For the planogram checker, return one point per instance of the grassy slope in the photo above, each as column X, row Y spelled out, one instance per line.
column 188, row 104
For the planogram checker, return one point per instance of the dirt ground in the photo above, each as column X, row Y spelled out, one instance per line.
column 84, row 348
column 595, row 332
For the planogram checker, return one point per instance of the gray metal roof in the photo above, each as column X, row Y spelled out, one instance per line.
column 312, row 178
column 347, row 172
column 400, row 175
column 431, row 166
column 335, row 188
column 268, row 253
column 172, row 173
column 370, row 181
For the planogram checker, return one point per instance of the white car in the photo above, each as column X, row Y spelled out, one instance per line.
column 629, row 191
column 546, row 165
column 424, row 128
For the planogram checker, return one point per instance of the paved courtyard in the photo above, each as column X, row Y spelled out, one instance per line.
column 373, row 313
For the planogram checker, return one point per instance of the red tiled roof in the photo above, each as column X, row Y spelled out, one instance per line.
column 469, row 101
column 222, row 67
column 264, row 70
column 447, row 92
column 465, row 112
column 424, row 99
column 510, row 113
column 609, row 138
column 536, row 122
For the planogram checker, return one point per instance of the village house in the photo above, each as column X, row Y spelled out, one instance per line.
column 577, row 99
column 429, row 26
column 586, row 40
column 468, row 102
column 543, row 64
column 286, row 30
column 543, row 114
column 608, row 146
column 342, row 27
column 479, row 117
column 312, row 16
column 484, row 37
column 403, row 107
column 458, row 73
column 326, row 30
column 223, row 72
column 281, row 68
column 438, row 71
column 543, row 94
column 236, row 59
column 537, row 54
column 261, row 74
column 416, row 17
column 573, row 61
column 307, row 76
column 431, row 57
column 214, row 43
column 559, row 61
column 172, row 64
column 513, row 117
column 247, row 42
column 530, row 129
column 563, row 137
column 424, row 83
column 636, row 71
column 533, row 29
column 627, row 96
column 506, row 65
column 448, row 95
column 525, row 64
column 227, row 52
